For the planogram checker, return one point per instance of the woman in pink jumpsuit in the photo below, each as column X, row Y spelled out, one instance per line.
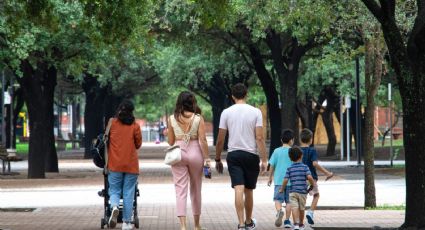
column 187, row 129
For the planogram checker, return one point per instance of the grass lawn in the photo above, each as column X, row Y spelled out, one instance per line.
column 22, row 148
column 396, row 143
column 389, row 207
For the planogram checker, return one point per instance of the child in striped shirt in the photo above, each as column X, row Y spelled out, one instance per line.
column 298, row 173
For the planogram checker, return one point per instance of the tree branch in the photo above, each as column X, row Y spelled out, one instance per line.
column 421, row 5
column 388, row 8
column 374, row 9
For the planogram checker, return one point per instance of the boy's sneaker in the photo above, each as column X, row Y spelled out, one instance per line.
column 241, row 227
column 302, row 226
column 279, row 217
column 252, row 225
column 287, row 224
column 113, row 219
column 296, row 227
column 126, row 226
column 310, row 217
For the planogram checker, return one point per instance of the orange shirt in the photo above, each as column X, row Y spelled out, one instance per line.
column 124, row 140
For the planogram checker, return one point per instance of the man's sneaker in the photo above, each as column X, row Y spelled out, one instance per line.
column 296, row 227
column 287, row 224
column 302, row 226
column 252, row 225
column 279, row 217
column 126, row 226
column 113, row 219
column 310, row 217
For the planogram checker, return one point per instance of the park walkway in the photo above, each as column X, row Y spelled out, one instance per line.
column 69, row 200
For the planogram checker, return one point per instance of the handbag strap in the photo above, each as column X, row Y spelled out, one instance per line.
column 105, row 141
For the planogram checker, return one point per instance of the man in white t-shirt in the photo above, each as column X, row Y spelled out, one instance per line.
column 245, row 126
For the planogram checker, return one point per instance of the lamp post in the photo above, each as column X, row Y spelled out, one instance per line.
column 3, row 126
column 347, row 143
column 358, row 115
column 391, row 123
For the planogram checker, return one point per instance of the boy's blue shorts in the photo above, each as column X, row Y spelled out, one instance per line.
column 281, row 197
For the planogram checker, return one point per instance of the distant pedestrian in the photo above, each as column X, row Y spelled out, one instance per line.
column 187, row 129
column 279, row 163
column 245, row 126
column 123, row 163
column 310, row 159
column 298, row 174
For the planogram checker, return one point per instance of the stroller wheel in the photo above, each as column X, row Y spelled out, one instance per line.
column 136, row 222
column 102, row 223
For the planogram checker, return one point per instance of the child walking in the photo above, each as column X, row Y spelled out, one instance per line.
column 279, row 162
column 310, row 159
column 298, row 174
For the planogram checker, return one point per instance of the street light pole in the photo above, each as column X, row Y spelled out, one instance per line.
column 358, row 115
column 348, row 106
column 3, row 126
column 391, row 123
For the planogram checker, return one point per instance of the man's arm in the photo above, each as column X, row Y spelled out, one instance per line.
column 219, row 148
column 220, row 143
column 261, row 145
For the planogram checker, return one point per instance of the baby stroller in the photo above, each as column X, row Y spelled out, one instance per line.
column 106, row 206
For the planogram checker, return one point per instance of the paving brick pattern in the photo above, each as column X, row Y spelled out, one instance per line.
column 216, row 216
column 160, row 214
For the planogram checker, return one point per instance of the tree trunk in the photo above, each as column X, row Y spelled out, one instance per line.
column 112, row 101
column 414, row 136
column 38, row 85
column 327, row 117
column 93, row 112
column 373, row 74
column 272, row 97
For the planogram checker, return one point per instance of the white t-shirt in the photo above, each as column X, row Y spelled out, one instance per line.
column 240, row 120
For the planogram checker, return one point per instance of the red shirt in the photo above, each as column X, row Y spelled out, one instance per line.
column 124, row 140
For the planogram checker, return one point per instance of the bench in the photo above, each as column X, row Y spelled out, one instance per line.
column 61, row 143
column 6, row 160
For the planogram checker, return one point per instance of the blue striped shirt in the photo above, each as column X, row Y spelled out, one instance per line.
column 297, row 173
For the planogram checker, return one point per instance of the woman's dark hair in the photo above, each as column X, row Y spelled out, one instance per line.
column 125, row 112
column 186, row 101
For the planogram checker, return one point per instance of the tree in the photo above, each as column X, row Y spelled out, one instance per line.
column 407, row 58
column 374, row 58
column 40, row 38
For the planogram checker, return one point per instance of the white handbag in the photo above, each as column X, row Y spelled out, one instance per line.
column 173, row 155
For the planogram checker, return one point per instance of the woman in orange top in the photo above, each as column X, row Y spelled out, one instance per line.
column 123, row 163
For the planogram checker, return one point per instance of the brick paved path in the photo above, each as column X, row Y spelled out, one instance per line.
column 216, row 216
column 68, row 200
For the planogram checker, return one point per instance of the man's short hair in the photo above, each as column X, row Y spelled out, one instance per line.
column 295, row 153
column 286, row 136
column 239, row 91
column 306, row 135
